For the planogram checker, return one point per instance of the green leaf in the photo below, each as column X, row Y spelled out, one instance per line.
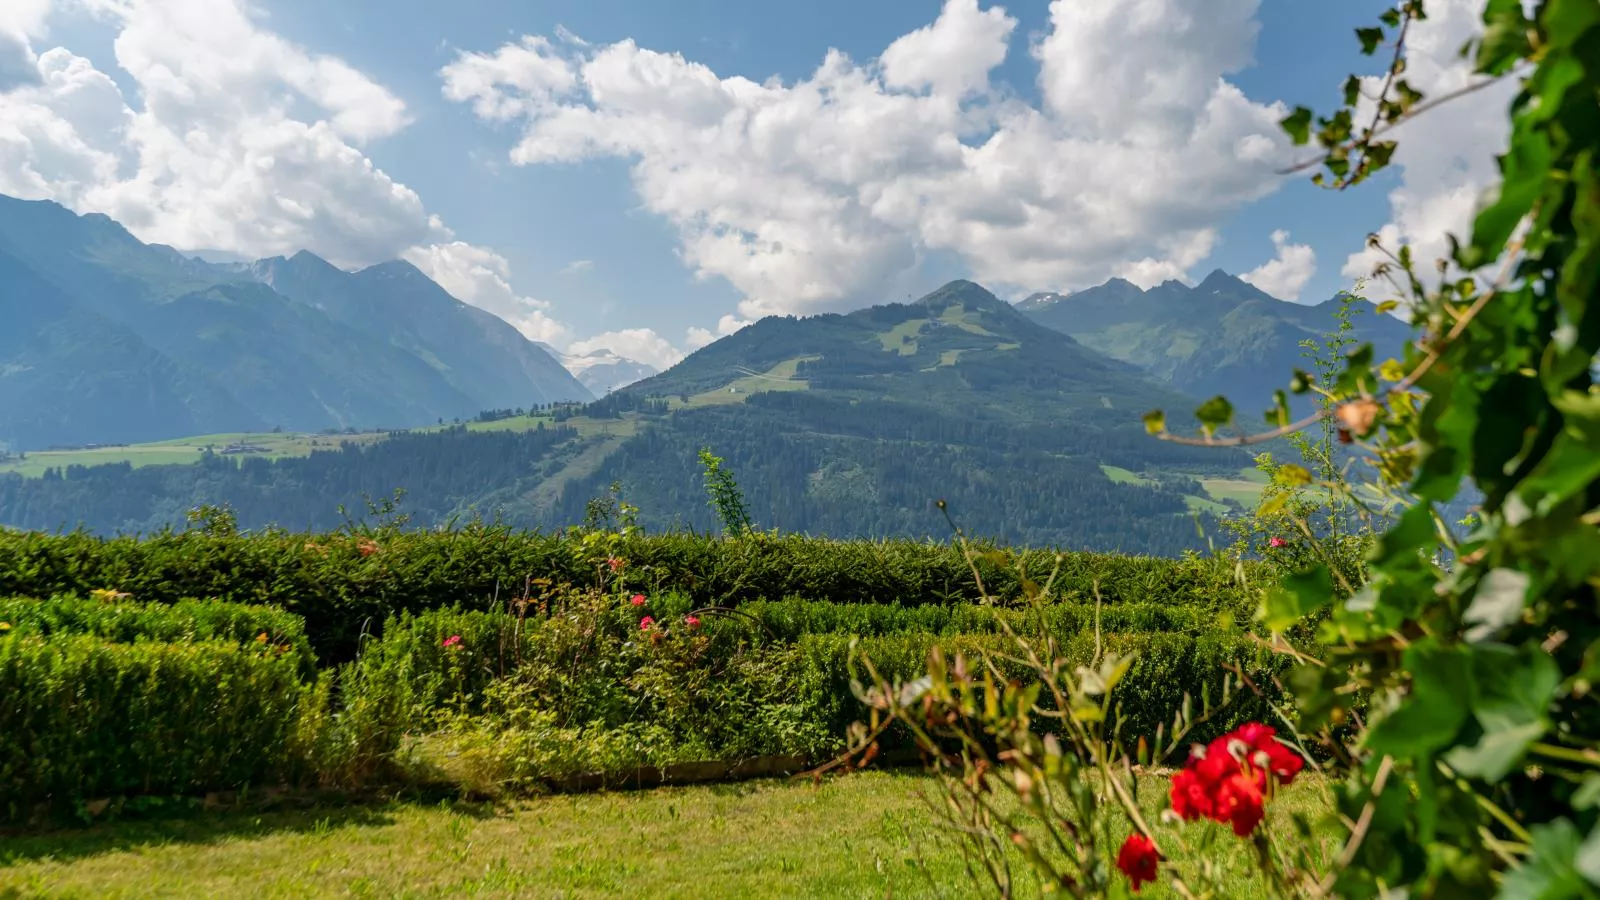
column 1429, row 718
column 1514, row 689
column 1587, row 859
column 1155, row 421
column 1301, row 382
column 1495, row 754
column 1391, row 17
column 1412, row 530
column 1526, row 166
column 1295, row 597
column 1352, row 90
column 1588, row 794
column 1551, row 872
column 1387, row 306
column 1297, row 125
column 1370, row 38
column 1214, row 413
column 1496, row 603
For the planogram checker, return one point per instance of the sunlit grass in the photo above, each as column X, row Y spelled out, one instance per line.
column 866, row 835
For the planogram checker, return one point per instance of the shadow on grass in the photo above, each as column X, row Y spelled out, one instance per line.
column 198, row 826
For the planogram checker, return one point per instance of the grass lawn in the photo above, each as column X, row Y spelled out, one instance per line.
column 847, row 837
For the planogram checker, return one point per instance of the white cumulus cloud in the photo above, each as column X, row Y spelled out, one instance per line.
column 482, row 278
column 239, row 141
column 822, row 193
column 1287, row 272
column 697, row 337
column 638, row 344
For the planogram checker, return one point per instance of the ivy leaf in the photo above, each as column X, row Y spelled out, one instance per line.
column 1527, row 167
column 1352, row 90
column 1296, row 597
column 1370, row 38
column 1495, row 754
column 1429, row 719
column 1297, row 125
column 1496, row 603
column 1511, row 703
column 1551, row 872
column 1413, row 529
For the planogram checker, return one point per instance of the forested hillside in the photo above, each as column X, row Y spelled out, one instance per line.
column 846, row 426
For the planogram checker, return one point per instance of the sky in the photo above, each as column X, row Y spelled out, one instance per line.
column 645, row 176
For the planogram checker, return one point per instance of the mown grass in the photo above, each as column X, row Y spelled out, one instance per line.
column 864, row 835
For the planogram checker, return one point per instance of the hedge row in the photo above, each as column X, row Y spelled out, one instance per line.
column 343, row 584
column 184, row 621
column 83, row 718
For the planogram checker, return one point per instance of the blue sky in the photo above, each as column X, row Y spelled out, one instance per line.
column 592, row 247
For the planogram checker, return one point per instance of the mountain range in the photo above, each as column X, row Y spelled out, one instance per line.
column 1222, row 336
column 1025, row 418
column 110, row 340
column 603, row 371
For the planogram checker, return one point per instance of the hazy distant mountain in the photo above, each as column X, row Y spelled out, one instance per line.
column 109, row 340
column 603, row 371
column 1223, row 336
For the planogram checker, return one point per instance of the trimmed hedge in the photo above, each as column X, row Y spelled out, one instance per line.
column 185, row 621
column 82, row 718
column 343, row 584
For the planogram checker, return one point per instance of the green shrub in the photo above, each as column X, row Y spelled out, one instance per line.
column 82, row 718
column 724, row 691
column 1165, row 668
column 186, row 620
column 345, row 584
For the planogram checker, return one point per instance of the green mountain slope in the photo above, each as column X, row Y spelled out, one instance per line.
column 113, row 340
column 1223, row 336
column 845, row 425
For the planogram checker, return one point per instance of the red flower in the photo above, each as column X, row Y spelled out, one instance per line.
column 1276, row 542
column 1239, row 803
column 1230, row 779
column 691, row 621
column 453, row 640
column 1190, row 798
column 637, row 600
column 646, row 622
column 366, row 547
column 614, row 563
column 1137, row 859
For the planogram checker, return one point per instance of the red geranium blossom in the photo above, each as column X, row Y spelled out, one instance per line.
column 1230, row 779
column 637, row 600
column 1276, row 542
column 453, row 640
column 646, row 622
column 1137, row 859
column 692, row 621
